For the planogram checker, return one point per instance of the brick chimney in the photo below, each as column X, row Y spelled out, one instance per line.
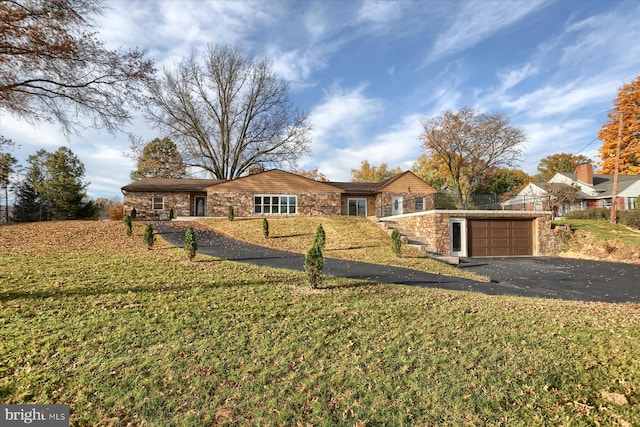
column 585, row 173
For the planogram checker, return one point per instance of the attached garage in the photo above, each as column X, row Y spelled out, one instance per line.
column 500, row 237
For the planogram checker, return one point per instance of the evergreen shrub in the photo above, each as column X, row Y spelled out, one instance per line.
column 190, row 245
column 148, row 238
column 396, row 242
column 128, row 225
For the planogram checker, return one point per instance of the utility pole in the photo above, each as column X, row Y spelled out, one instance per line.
column 614, row 190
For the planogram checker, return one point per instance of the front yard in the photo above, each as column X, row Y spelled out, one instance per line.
column 125, row 336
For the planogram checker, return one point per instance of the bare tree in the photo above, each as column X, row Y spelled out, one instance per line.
column 53, row 68
column 560, row 195
column 229, row 114
column 469, row 144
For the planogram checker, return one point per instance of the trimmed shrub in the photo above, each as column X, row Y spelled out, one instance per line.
column 396, row 242
column 230, row 213
column 265, row 228
column 128, row 225
column 313, row 264
column 148, row 238
column 133, row 213
column 321, row 237
column 630, row 218
column 171, row 214
column 600, row 213
column 190, row 245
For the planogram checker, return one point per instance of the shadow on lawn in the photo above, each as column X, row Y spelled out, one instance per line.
column 291, row 235
column 94, row 291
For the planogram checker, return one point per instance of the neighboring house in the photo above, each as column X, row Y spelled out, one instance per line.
column 581, row 190
column 275, row 192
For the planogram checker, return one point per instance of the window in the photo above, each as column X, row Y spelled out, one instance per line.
column 157, row 203
column 357, row 207
column 419, row 204
column 275, row 204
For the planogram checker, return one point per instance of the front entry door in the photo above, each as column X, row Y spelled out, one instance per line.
column 396, row 205
column 199, row 205
column 458, row 237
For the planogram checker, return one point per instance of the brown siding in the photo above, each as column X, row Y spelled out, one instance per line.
column 274, row 182
column 408, row 183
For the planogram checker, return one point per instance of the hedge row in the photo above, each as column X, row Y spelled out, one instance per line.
column 629, row 218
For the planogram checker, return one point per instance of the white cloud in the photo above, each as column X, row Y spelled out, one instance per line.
column 510, row 78
column 32, row 137
column 477, row 21
column 172, row 30
column 379, row 12
column 554, row 100
column 296, row 66
column 547, row 137
column 342, row 115
column 396, row 146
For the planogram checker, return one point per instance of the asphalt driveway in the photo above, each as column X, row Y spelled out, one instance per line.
column 557, row 278
column 563, row 278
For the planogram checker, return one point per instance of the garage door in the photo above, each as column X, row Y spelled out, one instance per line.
column 501, row 237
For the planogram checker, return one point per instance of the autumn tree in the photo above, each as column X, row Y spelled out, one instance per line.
column 469, row 144
column 626, row 107
column 559, row 162
column 53, row 68
column 433, row 172
column 229, row 113
column 314, row 174
column 503, row 180
column 373, row 173
column 159, row 158
column 560, row 194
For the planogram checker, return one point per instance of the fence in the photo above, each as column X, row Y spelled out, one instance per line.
column 450, row 201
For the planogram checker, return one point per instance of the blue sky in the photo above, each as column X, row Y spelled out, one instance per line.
column 367, row 71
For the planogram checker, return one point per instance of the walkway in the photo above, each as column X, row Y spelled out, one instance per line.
column 532, row 277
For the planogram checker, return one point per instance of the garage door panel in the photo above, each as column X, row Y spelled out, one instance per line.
column 499, row 233
column 500, row 237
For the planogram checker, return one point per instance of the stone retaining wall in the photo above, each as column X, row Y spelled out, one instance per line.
column 433, row 228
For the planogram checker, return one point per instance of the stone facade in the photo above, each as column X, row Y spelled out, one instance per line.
column 308, row 204
column 182, row 204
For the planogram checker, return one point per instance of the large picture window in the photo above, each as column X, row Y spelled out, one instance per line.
column 157, row 203
column 271, row 204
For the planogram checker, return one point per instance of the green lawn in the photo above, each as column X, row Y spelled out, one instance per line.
column 127, row 336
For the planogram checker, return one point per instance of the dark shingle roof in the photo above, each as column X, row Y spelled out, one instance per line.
column 356, row 187
column 171, row 184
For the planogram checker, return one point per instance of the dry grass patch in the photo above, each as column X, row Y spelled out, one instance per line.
column 601, row 241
